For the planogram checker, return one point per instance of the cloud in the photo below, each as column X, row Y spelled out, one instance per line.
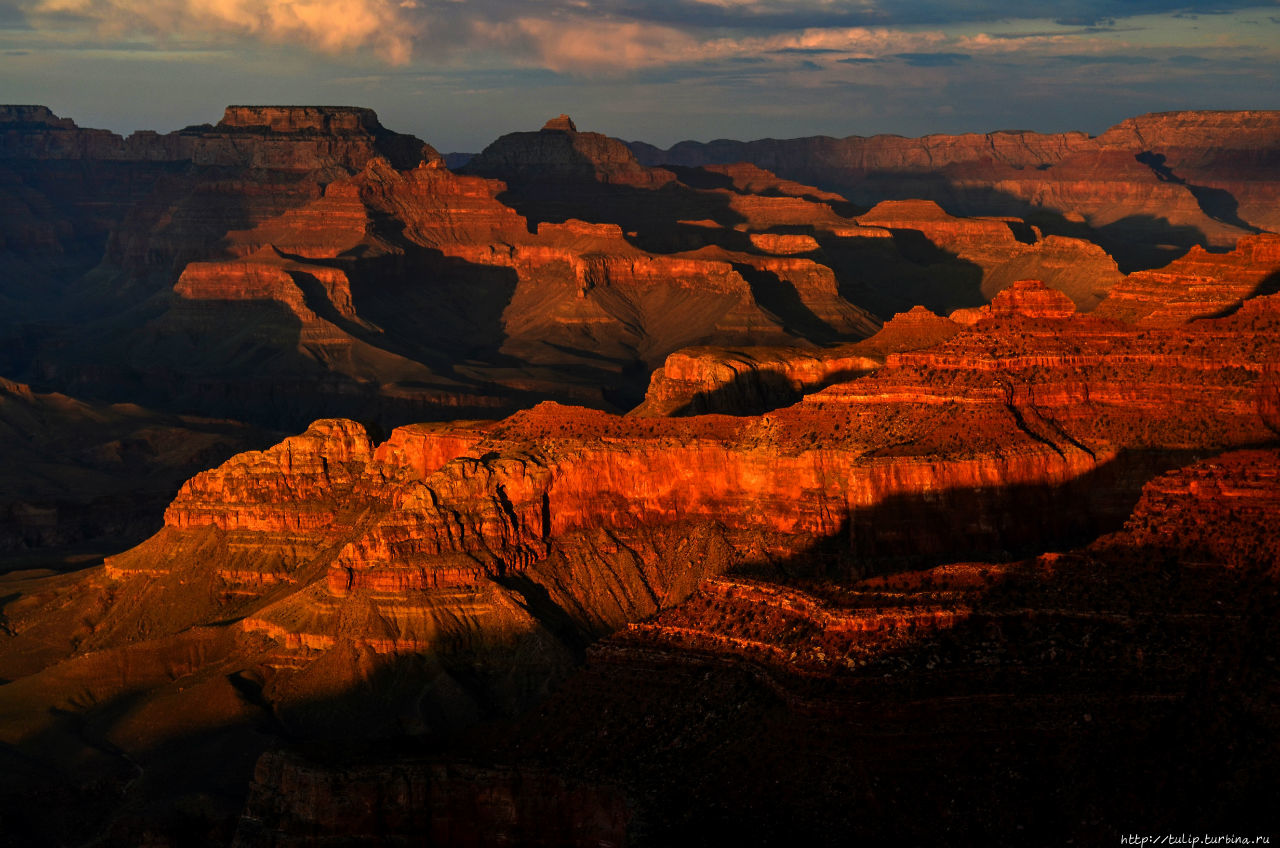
column 329, row 26
column 986, row 43
column 585, row 45
column 1090, row 21
column 805, row 51
column 933, row 60
column 609, row 37
column 800, row 14
column 1099, row 59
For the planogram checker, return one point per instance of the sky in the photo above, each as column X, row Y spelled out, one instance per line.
column 459, row 73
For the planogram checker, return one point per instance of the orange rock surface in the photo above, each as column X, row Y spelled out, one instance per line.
column 971, row 681
column 1198, row 285
column 755, row 379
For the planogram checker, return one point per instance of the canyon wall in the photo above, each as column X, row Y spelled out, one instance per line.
column 875, row 705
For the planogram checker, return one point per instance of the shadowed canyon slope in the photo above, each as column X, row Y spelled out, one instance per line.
column 81, row 478
column 636, row 503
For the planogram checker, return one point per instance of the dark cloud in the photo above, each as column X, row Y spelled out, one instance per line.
column 859, row 61
column 1106, row 59
column 776, row 14
column 806, row 51
column 1092, row 22
column 11, row 17
column 933, row 60
column 1189, row 60
column 1043, row 33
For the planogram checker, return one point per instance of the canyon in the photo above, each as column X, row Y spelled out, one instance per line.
column 636, row 496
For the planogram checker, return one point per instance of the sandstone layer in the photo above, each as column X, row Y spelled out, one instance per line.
column 559, row 267
column 751, row 380
column 327, row 246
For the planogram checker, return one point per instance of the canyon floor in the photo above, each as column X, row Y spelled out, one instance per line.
column 816, row 492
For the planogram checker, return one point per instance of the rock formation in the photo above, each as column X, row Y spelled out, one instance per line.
column 559, row 154
column 341, row 252
column 756, row 379
column 1198, row 285
column 783, row 589
column 571, row 276
column 1005, row 249
column 453, row 573
column 1173, row 178
column 874, row 707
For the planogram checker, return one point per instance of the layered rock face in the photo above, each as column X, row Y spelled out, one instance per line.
column 1033, row 423
column 453, row 573
column 1198, row 285
column 498, row 291
column 1218, row 513
column 571, row 278
column 947, row 692
column 1175, row 178
column 750, row 380
column 969, row 682
column 1040, row 394
column 101, row 222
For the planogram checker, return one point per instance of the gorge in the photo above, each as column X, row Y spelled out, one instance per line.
column 588, row 493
